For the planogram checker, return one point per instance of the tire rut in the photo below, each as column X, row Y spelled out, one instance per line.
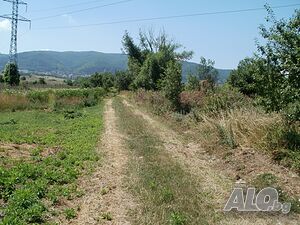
column 105, row 189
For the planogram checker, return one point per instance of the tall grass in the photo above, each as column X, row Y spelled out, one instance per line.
column 52, row 99
column 225, row 117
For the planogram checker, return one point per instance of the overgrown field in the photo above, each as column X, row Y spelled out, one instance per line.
column 47, row 139
column 228, row 119
column 51, row 99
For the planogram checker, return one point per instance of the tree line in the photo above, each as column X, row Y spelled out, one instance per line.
column 272, row 75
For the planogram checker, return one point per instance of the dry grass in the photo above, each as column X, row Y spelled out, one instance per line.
column 247, row 127
column 9, row 101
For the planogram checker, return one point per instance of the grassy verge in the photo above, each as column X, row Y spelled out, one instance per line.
column 226, row 124
column 42, row 155
column 168, row 194
column 225, row 119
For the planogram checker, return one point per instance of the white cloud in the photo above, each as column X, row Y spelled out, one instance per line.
column 4, row 25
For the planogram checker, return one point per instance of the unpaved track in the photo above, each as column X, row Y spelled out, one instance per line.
column 107, row 178
column 194, row 159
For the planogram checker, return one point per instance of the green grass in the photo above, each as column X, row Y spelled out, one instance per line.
column 168, row 194
column 70, row 213
column 29, row 186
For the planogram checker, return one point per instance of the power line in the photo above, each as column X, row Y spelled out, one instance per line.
column 67, row 6
column 82, row 10
column 167, row 17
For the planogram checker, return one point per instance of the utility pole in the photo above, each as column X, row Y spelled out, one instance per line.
column 15, row 18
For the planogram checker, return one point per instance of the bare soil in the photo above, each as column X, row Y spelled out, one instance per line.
column 24, row 151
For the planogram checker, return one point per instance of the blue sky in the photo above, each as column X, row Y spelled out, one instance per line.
column 225, row 38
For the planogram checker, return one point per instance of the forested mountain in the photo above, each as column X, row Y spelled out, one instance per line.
column 82, row 63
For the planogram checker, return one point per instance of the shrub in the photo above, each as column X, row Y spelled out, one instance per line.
column 42, row 81
column 11, row 74
column 223, row 99
column 71, row 114
column 171, row 83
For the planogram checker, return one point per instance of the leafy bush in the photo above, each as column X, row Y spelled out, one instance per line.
column 154, row 100
column 42, row 81
column 244, row 77
column 71, row 114
column 11, row 74
column 223, row 99
column 171, row 83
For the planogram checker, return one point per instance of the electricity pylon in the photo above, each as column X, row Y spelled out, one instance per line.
column 15, row 18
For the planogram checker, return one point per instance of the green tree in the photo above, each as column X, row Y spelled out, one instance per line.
column 206, row 71
column 108, row 80
column 42, row 81
column 148, row 61
column 279, row 78
column 96, row 80
column 149, row 75
column 244, row 77
column 123, row 80
column 11, row 74
column 69, row 82
column 193, row 83
column 171, row 84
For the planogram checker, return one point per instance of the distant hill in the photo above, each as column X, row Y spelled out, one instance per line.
column 82, row 63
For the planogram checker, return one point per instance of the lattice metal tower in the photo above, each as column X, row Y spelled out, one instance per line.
column 15, row 18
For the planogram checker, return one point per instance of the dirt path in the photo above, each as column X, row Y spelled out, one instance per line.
column 205, row 167
column 106, row 200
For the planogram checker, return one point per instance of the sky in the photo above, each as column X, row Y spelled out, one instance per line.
column 224, row 38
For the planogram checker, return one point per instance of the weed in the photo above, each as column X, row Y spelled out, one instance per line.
column 227, row 136
column 269, row 180
column 70, row 213
column 167, row 195
column 9, row 122
column 107, row 216
column 177, row 219
column 104, row 191
column 25, row 185
column 71, row 114
column 265, row 180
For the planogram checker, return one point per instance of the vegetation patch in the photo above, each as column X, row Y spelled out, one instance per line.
column 58, row 151
column 50, row 99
